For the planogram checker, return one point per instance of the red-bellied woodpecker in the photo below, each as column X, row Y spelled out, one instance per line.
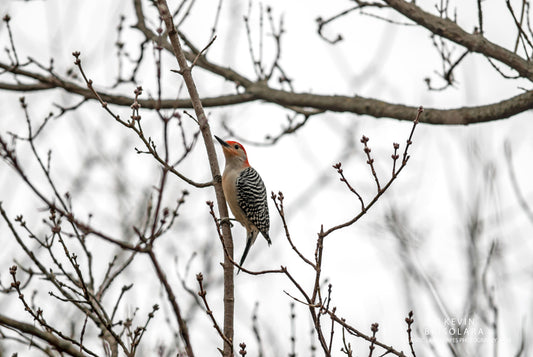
column 245, row 193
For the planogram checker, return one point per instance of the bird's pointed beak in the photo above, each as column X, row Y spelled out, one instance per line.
column 222, row 142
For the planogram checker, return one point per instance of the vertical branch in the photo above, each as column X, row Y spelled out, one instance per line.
column 6, row 19
column 489, row 292
column 185, row 71
column 257, row 332
column 173, row 301
column 521, row 36
column 202, row 293
column 370, row 160
column 292, row 316
column 374, row 328
column 316, row 291
column 522, row 201
column 480, row 16
column 409, row 321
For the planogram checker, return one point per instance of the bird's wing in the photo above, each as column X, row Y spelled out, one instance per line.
column 252, row 198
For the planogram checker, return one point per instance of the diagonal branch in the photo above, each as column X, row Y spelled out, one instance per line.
column 474, row 42
column 63, row 346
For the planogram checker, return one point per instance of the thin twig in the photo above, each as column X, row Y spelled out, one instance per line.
column 134, row 124
column 202, row 293
column 409, row 320
column 7, row 19
column 386, row 186
column 370, row 160
column 337, row 166
column 281, row 212
column 374, row 328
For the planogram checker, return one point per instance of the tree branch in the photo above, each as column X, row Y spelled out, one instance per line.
column 61, row 345
column 186, row 72
column 260, row 91
column 446, row 28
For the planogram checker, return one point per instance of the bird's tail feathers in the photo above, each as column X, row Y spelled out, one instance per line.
column 249, row 243
column 267, row 237
column 250, row 240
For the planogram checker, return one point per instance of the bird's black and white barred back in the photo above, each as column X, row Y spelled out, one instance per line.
column 252, row 198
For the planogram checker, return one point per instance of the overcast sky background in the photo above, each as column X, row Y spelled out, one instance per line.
column 445, row 179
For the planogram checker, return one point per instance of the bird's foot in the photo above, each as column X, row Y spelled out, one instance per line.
column 226, row 220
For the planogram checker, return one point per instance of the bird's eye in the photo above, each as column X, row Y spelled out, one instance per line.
column 236, row 147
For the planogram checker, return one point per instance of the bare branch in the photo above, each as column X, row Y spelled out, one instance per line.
column 202, row 293
column 473, row 42
column 61, row 345
column 260, row 91
column 135, row 125
column 384, row 188
column 215, row 172
column 409, row 320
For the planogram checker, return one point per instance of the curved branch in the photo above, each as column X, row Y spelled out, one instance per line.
column 336, row 103
column 474, row 42
column 61, row 345
column 20, row 87
column 201, row 61
column 122, row 100
column 261, row 91
column 53, row 82
column 381, row 109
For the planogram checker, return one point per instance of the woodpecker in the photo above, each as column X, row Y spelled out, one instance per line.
column 245, row 193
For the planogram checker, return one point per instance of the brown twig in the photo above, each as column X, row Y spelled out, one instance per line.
column 314, row 300
column 321, row 23
column 242, row 351
column 337, row 166
column 256, row 330
column 184, row 331
column 352, row 330
column 346, row 347
column 9, row 155
column 292, row 338
column 202, row 293
column 37, row 315
column 59, row 343
column 279, row 207
column 202, row 52
column 331, row 330
column 134, row 124
column 409, row 320
column 395, row 157
column 450, row 30
column 410, row 139
column 519, row 26
column 370, row 160
column 7, row 19
column 374, row 328
column 384, row 188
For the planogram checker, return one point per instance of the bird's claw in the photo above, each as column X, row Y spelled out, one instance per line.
column 226, row 220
